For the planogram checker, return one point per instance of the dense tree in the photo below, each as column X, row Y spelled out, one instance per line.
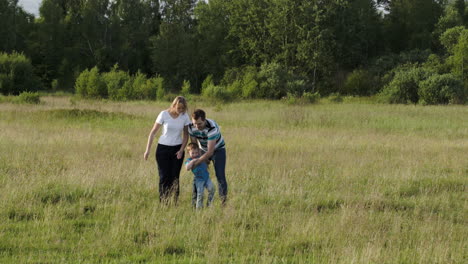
column 15, row 26
column 357, row 32
column 49, row 40
column 212, row 31
column 320, row 46
column 460, row 7
column 133, row 22
column 249, row 28
column 410, row 23
column 174, row 49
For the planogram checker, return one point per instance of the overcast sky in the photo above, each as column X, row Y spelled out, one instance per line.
column 31, row 6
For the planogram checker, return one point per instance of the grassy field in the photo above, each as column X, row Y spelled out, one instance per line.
column 325, row 183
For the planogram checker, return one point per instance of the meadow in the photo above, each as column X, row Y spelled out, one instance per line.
column 350, row 182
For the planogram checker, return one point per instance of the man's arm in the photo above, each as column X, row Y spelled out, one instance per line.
column 208, row 154
column 189, row 165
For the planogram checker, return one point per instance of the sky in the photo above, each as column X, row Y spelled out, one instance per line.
column 31, row 6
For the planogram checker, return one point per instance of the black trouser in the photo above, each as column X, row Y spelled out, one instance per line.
column 169, row 169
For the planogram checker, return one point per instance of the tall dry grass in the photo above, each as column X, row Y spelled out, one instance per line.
column 325, row 183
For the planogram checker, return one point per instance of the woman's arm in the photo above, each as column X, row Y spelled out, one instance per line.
column 153, row 132
column 180, row 153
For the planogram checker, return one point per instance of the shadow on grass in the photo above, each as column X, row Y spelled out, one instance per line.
column 86, row 114
column 22, row 214
column 431, row 187
column 55, row 193
column 174, row 250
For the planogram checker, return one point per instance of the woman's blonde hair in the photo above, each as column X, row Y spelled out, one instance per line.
column 179, row 100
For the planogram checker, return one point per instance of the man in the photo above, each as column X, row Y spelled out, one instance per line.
column 207, row 133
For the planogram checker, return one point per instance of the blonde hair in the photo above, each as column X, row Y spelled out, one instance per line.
column 192, row 146
column 179, row 100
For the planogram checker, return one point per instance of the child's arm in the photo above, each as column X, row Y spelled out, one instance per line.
column 190, row 164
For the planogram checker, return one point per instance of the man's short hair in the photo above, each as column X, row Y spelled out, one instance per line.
column 199, row 113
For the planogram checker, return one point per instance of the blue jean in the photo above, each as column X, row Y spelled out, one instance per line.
column 219, row 160
column 199, row 188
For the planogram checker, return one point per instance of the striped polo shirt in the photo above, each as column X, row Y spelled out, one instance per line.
column 210, row 132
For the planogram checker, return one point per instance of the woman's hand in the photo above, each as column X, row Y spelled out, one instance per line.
column 146, row 155
column 179, row 154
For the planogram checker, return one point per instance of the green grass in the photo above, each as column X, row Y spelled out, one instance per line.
column 350, row 182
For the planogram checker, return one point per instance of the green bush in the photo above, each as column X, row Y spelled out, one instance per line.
column 273, row 78
column 436, row 64
column 359, row 82
column 305, row 98
column 250, row 86
column 335, row 98
column 310, row 97
column 28, row 98
column 414, row 56
column 450, row 38
column 119, row 85
column 140, row 88
column 126, row 91
column 274, row 81
column 459, row 60
column 159, row 86
column 208, row 82
column 90, row 84
column 17, row 74
column 383, row 68
column 54, row 85
column 233, row 74
column 296, row 86
column 442, row 89
column 404, row 86
column 81, row 83
column 96, row 86
column 186, row 89
column 235, row 89
column 242, row 82
column 217, row 93
column 291, row 99
column 150, row 89
column 115, row 80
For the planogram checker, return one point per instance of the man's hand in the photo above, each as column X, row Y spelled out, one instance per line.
column 191, row 164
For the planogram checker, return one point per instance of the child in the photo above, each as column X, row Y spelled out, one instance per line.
column 201, row 177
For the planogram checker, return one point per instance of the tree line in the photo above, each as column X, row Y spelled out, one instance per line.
column 403, row 50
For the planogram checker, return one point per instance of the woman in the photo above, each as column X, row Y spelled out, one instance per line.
column 171, row 147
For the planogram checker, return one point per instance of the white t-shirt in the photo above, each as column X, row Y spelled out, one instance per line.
column 172, row 128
